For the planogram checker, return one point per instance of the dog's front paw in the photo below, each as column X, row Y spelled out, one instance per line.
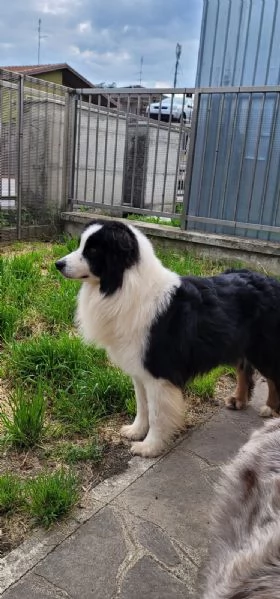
column 134, row 432
column 147, row 449
column 233, row 403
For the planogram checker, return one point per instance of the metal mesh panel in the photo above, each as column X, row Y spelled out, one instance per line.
column 35, row 130
column 9, row 159
column 130, row 157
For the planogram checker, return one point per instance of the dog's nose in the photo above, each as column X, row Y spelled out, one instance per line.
column 60, row 264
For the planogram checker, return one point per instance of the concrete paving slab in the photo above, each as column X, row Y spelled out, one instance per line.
column 35, row 587
column 17, row 563
column 86, row 565
column 148, row 581
column 221, row 437
column 174, row 495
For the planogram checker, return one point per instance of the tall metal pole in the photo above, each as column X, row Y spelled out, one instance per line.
column 39, row 40
column 178, row 54
column 141, row 69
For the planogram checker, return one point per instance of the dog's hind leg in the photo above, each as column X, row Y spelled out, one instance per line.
column 166, row 417
column 139, row 428
column 273, row 401
column 244, row 387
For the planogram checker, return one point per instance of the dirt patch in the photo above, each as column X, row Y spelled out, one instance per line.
column 198, row 410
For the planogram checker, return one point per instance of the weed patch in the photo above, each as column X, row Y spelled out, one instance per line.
column 51, row 496
column 11, row 493
column 24, row 428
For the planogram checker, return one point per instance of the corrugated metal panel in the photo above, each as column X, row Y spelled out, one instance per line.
column 239, row 43
column 236, row 161
column 235, row 175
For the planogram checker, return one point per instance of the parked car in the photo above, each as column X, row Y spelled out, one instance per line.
column 174, row 110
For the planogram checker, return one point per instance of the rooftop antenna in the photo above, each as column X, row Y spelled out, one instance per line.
column 178, row 55
column 40, row 37
column 141, row 70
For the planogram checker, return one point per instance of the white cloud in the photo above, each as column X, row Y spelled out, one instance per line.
column 84, row 27
column 162, row 84
column 57, row 7
column 100, row 57
column 6, row 45
column 87, row 55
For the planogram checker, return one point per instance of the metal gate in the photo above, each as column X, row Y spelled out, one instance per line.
column 130, row 150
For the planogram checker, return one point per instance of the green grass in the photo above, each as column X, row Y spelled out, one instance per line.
column 56, row 303
column 81, row 385
column 24, row 428
column 9, row 317
column 11, row 496
column 68, row 244
column 204, row 386
column 72, row 454
column 157, row 220
column 46, row 498
column 18, row 277
column 92, row 395
column 186, row 263
column 51, row 496
column 57, row 360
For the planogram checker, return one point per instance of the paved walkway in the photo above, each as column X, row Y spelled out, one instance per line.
column 143, row 534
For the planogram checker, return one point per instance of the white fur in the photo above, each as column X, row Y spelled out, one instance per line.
column 266, row 412
column 76, row 265
column 120, row 323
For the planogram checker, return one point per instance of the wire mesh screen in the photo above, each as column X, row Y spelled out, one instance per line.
column 9, row 123
column 235, row 186
column 131, row 150
column 35, row 135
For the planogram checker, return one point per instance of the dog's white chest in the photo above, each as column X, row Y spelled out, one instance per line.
column 100, row 323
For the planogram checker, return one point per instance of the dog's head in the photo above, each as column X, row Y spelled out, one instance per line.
column 106, row 250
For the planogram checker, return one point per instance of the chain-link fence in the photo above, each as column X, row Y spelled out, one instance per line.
column 35, row 138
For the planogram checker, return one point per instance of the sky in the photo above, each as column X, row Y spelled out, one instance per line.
column 104, row 40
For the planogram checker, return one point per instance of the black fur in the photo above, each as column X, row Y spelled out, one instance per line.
column 109, row 252
column 217, row 320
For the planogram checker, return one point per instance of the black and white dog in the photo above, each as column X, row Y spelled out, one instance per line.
column 163, row 329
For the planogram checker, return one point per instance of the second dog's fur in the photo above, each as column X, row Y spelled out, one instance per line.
column 244, row 560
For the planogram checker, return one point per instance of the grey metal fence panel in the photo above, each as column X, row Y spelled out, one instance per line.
column 235, row 184
column 35, row 154
column 127, row 157
column 239, row 43
column 9, row 145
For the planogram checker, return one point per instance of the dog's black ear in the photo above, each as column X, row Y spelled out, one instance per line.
column 121, row 251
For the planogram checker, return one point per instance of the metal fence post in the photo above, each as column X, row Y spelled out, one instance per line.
column 69, row 148
column 19, row 154
column 190, row 160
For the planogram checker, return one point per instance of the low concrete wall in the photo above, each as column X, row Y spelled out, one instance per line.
column 263, row 255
